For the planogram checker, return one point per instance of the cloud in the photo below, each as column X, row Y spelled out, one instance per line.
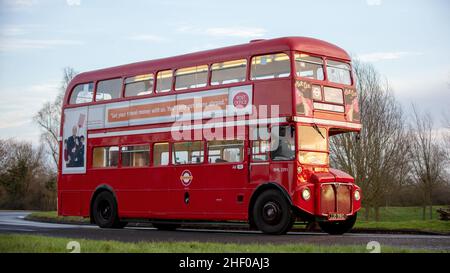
column 383, row 56
column 18, row 44
column 73, row 2
column 147, row 38
column 18, row 110
column 18, row 30
column 20, row 3
column 236, row 31
column 246, row 32
column 374, row 2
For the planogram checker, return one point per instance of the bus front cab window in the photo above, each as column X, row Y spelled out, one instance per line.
column 313, row 145
column 282, row 143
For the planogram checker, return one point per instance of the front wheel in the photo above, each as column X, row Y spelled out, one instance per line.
column 272, row 213
column 338, row 228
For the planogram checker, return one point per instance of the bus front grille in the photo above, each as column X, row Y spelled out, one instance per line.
column 335, row 198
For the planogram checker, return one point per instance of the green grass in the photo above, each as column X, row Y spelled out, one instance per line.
column 400, row 214
column 404, row 218
column 42, row 244
column 413, row 225
column 52, row 216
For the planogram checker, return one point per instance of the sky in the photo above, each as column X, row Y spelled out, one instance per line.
column 408, row 42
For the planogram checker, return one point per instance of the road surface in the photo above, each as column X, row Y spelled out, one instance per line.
column 14, row 222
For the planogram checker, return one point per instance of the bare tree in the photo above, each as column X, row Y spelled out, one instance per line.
column 428, row 158
column 377, row 159
column 49, row 116
column 25, row 181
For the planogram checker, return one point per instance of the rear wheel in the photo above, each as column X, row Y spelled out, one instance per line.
column 105, row 213
column 161, row 226
column 338, row 227
column 272, row 213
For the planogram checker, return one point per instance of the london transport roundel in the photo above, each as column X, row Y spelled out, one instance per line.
column 241, row 100
column 186, row 178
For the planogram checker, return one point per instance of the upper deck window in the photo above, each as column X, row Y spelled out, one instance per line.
column 228, row 72
column 339, row 72
column 191, row 77
column 82, row 93
column 139, row 85
column 164, row 81
column 309, row 66
column 109, row 89
column 270, row 66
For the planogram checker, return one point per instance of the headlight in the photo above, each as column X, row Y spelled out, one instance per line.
column 357, row 195
column 306, row 194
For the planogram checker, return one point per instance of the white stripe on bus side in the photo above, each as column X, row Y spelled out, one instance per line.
column 188, row 127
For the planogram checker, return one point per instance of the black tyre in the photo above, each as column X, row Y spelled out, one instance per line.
column 272, row 213
column 162, row 226
column 340, row 227
column 105, row 213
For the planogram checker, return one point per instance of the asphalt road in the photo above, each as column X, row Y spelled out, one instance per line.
column 14, row 222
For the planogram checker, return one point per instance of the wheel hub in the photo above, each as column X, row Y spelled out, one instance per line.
column 271, row 212
column 104, row 209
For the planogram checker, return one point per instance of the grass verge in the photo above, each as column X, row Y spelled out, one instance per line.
column 431, row 226
column 43, row 244
column 52, row 216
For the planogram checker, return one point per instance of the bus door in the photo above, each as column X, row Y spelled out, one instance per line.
column 259, row 155
column 282, row 155
column 157, row 179
column 226, row 174
column 187, row 183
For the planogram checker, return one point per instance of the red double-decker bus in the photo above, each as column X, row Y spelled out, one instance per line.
column 239, row 133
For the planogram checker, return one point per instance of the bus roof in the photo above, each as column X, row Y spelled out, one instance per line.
column 303, row 44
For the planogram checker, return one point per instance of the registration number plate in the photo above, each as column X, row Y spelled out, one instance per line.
column 336, row 216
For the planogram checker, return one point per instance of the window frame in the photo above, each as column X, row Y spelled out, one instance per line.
column 314, row 56
column 172, row 83
column 173, row 151
column 84, row 103
column 246, row 74
column 108, row 167
column 138, row 96
column 113, row 99
column 342, row 61
column 152, row 159
column 250, row 69
column 174, row 77
column 228, row 162
column 136, row 167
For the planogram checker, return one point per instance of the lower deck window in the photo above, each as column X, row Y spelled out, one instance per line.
column 135, row 156
column 260, row 150
column 105, row 157
column 161, row 154
column 220, row 151
column 187, row 153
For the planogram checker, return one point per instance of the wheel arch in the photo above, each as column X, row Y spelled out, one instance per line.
column 97, row 191
column 260, row 189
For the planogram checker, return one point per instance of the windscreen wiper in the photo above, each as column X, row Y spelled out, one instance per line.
column 317, row 129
